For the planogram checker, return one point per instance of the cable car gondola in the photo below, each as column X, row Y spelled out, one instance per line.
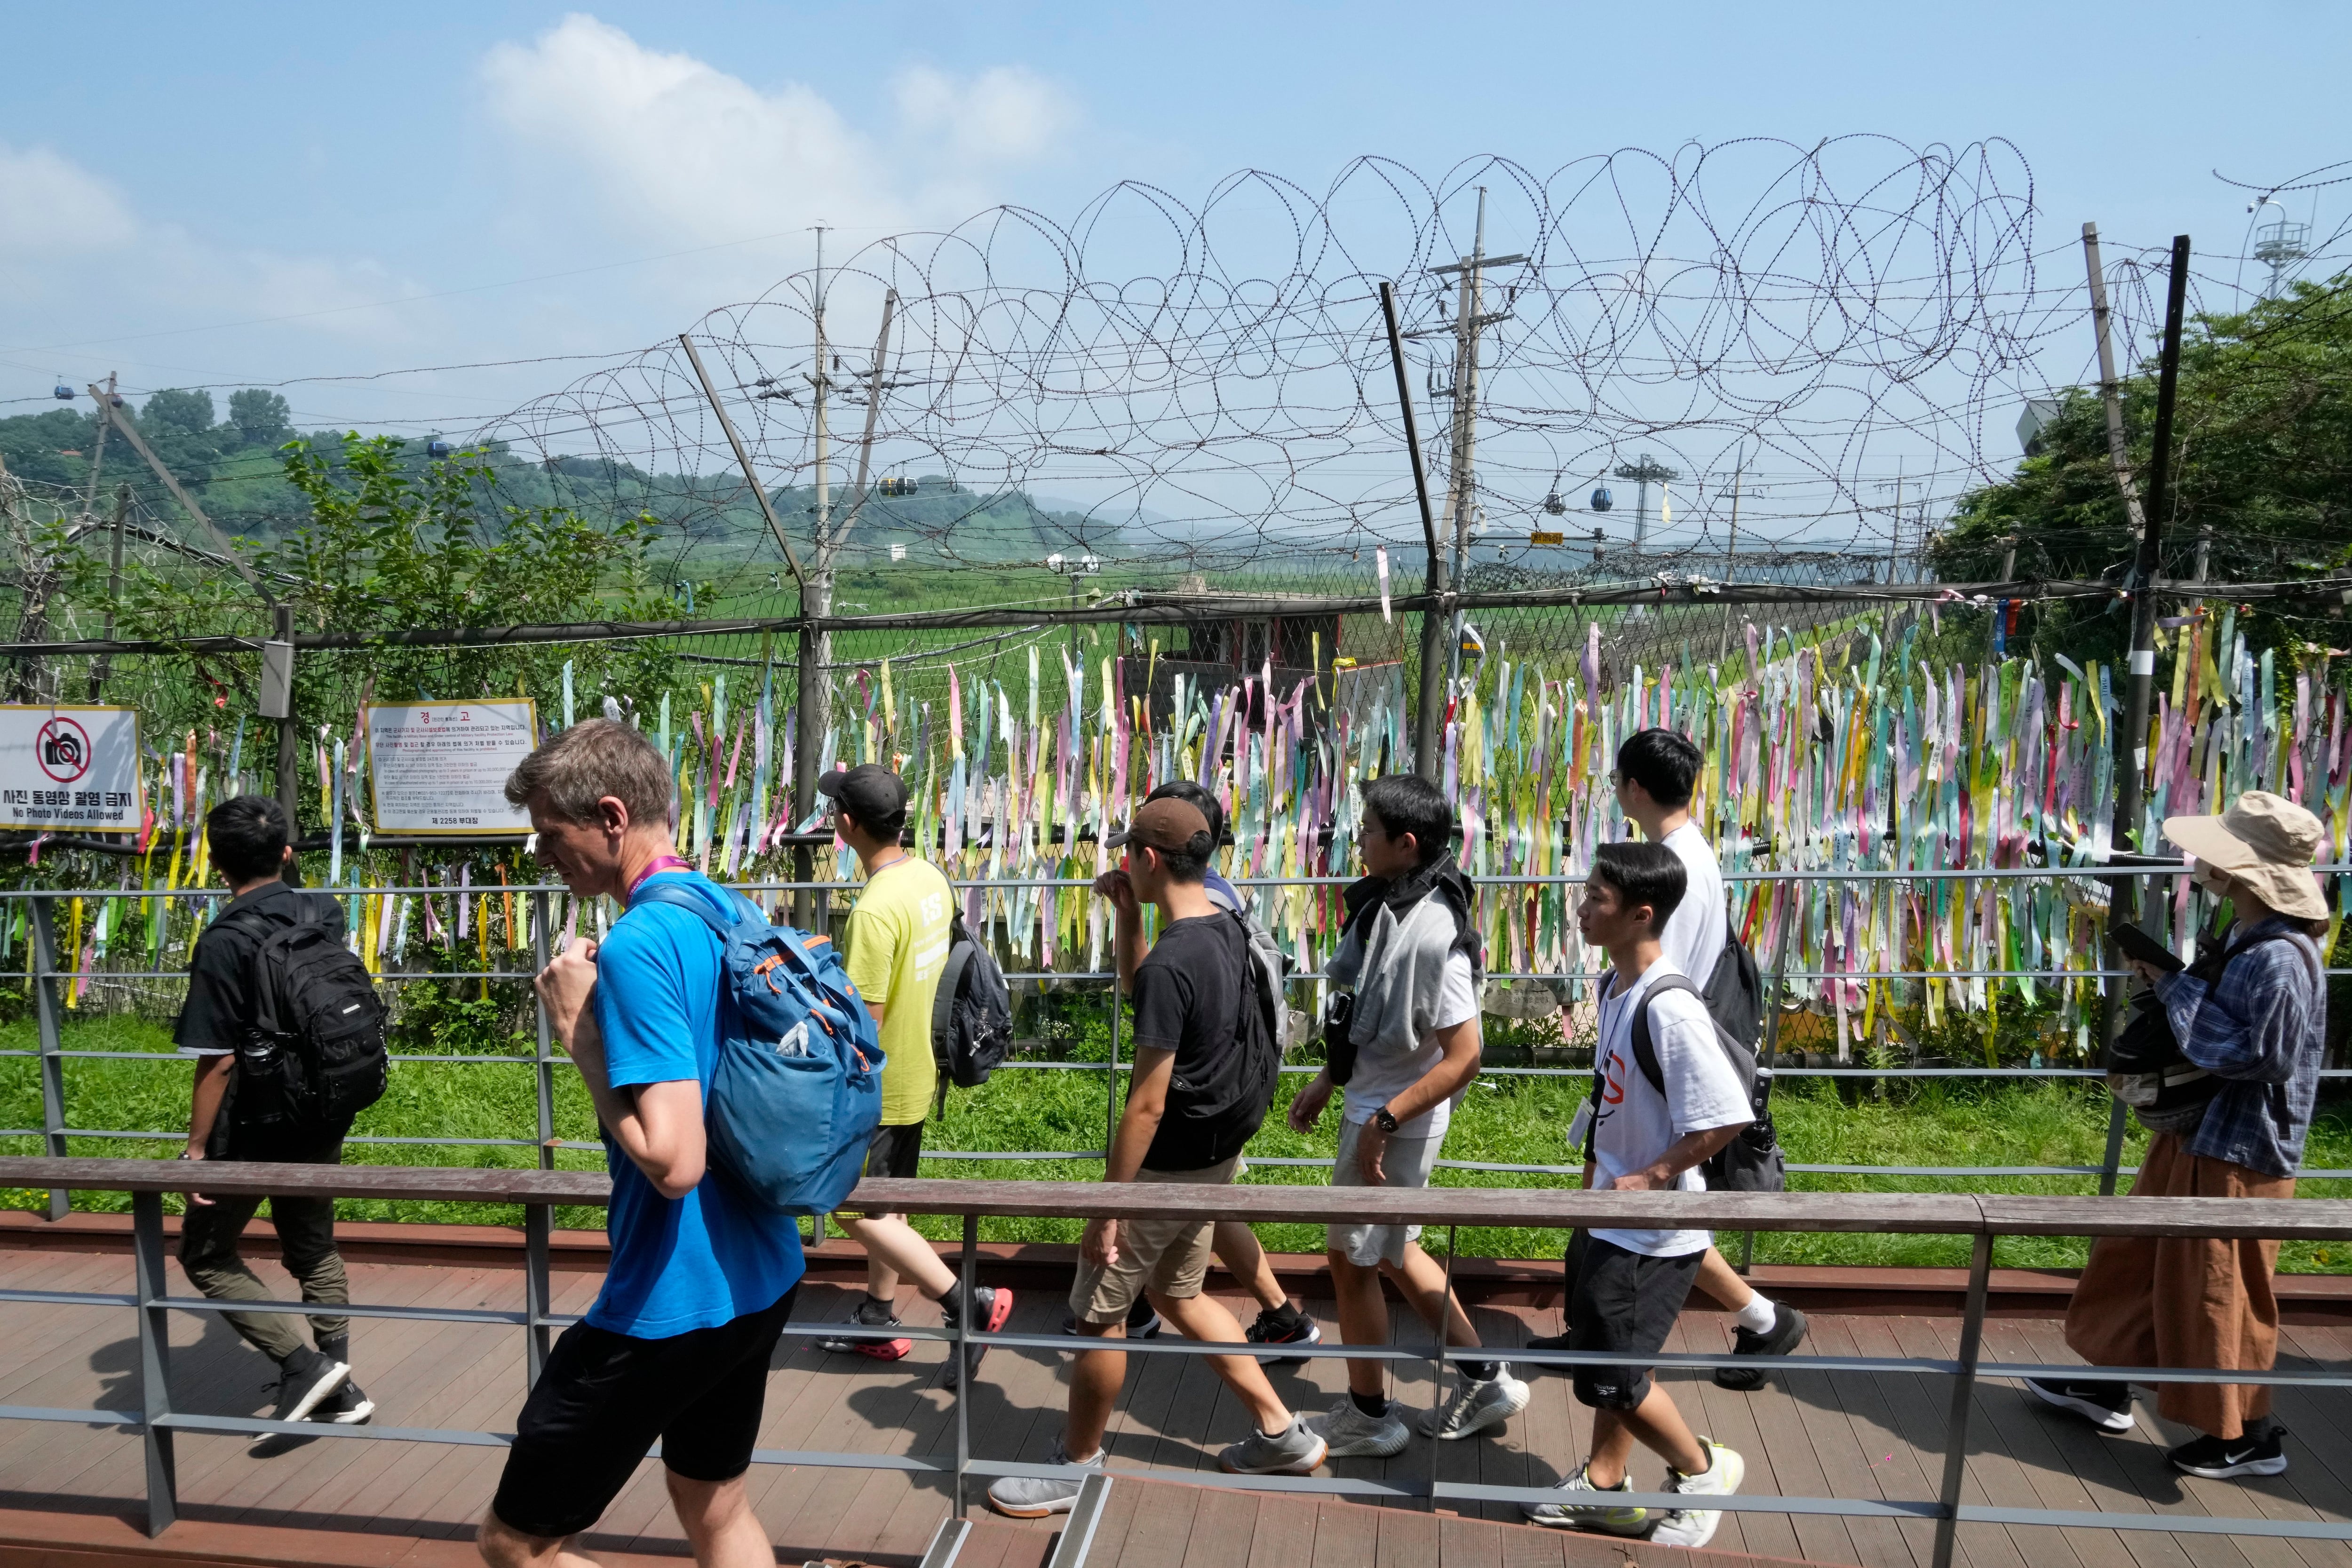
column 1600, row 498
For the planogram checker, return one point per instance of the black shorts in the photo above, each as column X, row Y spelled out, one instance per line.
column 895, row 1152
column 1622, row 1300
column 604, row 1397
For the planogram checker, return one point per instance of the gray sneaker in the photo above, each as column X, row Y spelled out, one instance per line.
column 1569, row 1514
column 1476, row 1406
column 1352, row 1435
column 1696, row 1527
column 1035, row 1496
column 1295, row 1450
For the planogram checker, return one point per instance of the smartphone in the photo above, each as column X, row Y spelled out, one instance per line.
column 2137, row 944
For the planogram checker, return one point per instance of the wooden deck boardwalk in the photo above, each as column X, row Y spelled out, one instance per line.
column 1844, row 1434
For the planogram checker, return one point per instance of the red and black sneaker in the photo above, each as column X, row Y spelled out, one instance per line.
column 870, row 1314
column 1272, row 1330
column 992, row 1309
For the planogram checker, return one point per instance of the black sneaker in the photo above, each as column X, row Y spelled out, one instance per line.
column 1142, row 1323
column 348, row 1405
column 1551, row 1343
column 2107, row 1405
column 2222, row 1459
column 1269, row 1330
column 304, row 1380
column 992, row 1306
column 1788, row 1332
column 870, row 1314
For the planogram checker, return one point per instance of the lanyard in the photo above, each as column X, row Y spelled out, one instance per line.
column 664, row 863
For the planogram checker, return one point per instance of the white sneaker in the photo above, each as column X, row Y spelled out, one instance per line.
column 1476, row 1406
column 1035, row 1497
column 1571, row 1512
column 1353, row 1435
column 1696, row 1527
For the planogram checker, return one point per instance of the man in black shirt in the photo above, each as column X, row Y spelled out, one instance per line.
column 1182, row 1123
column 250, row 847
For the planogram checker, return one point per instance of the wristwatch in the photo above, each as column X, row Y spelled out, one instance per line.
column 1383, row 1121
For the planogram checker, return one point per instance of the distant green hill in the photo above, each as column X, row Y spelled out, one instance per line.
column 232, row 467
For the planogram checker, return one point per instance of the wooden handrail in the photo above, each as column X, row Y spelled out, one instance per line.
column 1944, row 1213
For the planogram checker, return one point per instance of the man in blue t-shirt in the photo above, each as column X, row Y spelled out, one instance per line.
column 677, row 1343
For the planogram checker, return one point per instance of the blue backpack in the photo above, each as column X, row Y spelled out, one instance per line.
column 797, row 1092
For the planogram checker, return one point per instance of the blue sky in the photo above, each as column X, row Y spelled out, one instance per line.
column 176, row 181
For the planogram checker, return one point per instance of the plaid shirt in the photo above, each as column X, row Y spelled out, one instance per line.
column 2261, row 1027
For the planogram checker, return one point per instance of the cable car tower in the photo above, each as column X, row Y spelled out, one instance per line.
column 2282, row 246
column 1643, row 473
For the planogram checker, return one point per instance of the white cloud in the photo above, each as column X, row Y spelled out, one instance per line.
column 91, row 269
column 671, row 146
column 50, row 205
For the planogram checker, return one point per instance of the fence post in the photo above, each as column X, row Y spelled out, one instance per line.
column 1437, row 1355
column 2111, row 1163
column 1110, row 1082
column 544, row 1068
column 1964, row 1391
column 53, row 1063
column 965, row 1268
column 1771, row 1058
column 154, row 1361
column 537, row 1223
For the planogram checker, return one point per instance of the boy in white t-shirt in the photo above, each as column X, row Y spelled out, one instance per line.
column 1657, row 773
column 1409, row 962
column 1630, row 1285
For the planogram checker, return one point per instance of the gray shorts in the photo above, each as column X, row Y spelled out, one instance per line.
column 1405, row 1162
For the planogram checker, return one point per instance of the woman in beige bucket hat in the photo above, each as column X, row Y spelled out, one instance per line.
column 2253, row 1015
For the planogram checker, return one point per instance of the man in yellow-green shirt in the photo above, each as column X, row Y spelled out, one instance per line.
column 896, row 946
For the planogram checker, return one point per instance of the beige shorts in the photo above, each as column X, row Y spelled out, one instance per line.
column 1405, row 1162
column 1166, row 1256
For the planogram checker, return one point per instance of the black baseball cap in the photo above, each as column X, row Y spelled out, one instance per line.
column 869, row 792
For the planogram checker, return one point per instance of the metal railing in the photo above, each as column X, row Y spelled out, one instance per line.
column 1980, row 1218
column 44, row 974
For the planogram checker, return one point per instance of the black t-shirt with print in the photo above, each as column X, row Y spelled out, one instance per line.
column 1188, row 996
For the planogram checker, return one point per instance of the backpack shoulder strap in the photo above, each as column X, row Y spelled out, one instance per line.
column 1645, row 1048
column 683, row 898
column 960, row 948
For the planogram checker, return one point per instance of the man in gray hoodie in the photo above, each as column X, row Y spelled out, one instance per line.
column 1410, row 957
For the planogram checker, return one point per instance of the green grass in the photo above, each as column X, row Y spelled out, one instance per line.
column 1509, row 1121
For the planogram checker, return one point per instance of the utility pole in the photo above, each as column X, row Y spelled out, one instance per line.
column 2008, row 574
column 1731, row 556
column 98, row 453
column 104, row 663
column 816, row 600
column 2132, row 740
column 1433, row 615
column 1470, row 317
column 2131, row 736
column 2110, row 389
column 1643, row 473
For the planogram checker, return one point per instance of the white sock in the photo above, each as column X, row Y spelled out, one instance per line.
column 1758, row 1316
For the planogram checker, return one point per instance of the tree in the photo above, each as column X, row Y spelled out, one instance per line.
column 2262, row 469
column 188, row 412
column 384, row 548
column 262, row 418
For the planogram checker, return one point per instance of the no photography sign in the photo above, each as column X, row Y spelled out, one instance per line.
column 70, row 767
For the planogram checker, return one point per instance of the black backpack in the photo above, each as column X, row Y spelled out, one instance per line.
column 315, row 1057
column 2146, row 1066
column 1752, row 1162
column 1233, row 1095
column 971, row 1013
column 1735, row 994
